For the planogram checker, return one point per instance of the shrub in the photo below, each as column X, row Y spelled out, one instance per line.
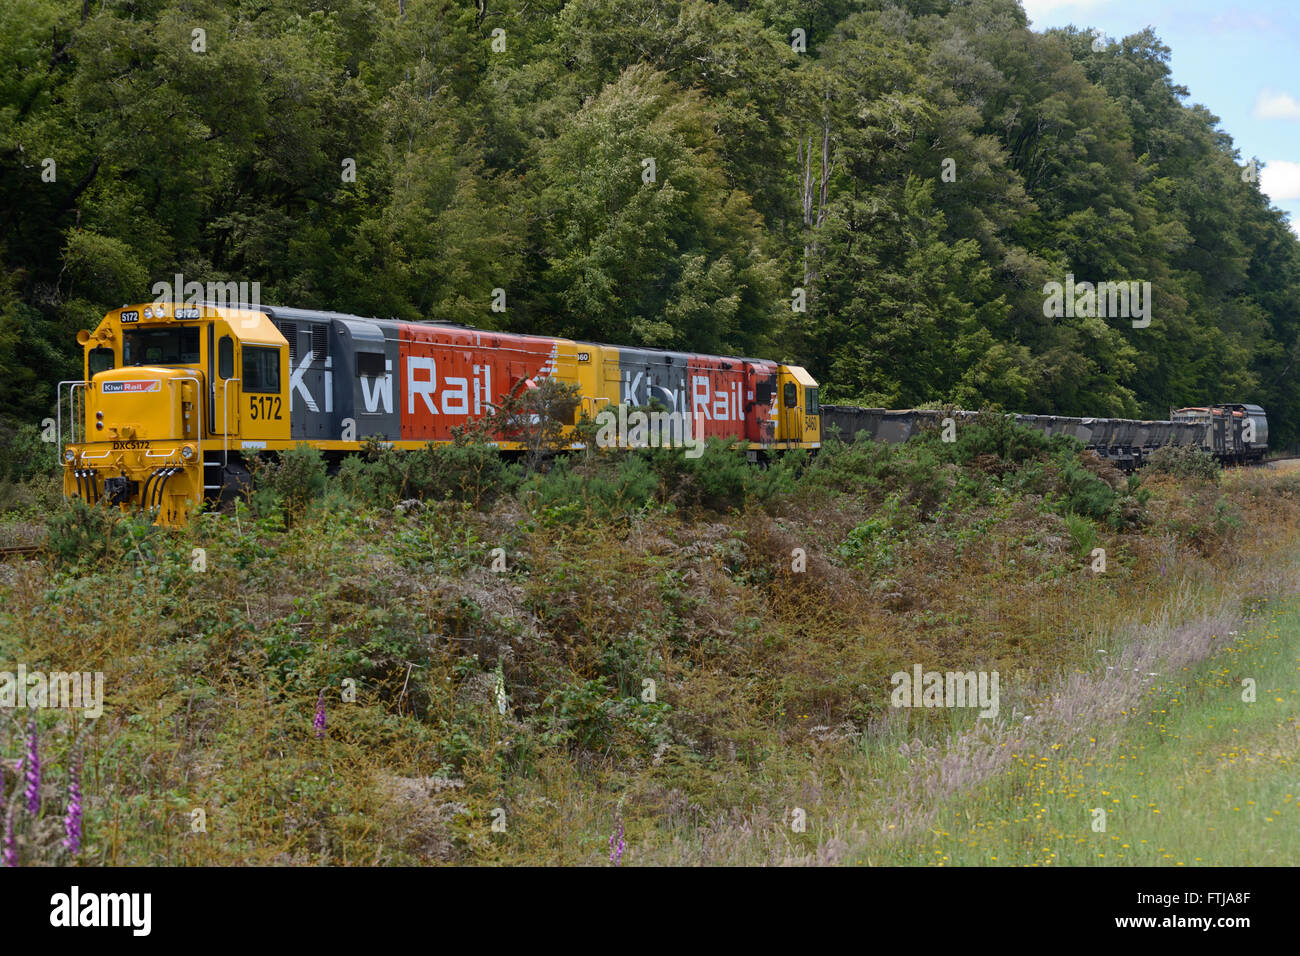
column 577, row 714
column 537, row 418
column 83, row 536
column 995, row 434
column 602, row 488
column 718, row 479
column 469, row 471
column 871, row 544
column 1184, row 461
column 918, row 470
column 356, row 479
column 290, row 482
column 1083, row 534
column 23, row 455
column 1081, row 492
column 42, row 493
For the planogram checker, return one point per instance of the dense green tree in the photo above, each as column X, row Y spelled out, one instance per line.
column 917, row 170
column 646, row 242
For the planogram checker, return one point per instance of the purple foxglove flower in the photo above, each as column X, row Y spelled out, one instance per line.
column 72, row 822
column 33, row 770
column 617, row 845
column 9, row 851
column 319, row 722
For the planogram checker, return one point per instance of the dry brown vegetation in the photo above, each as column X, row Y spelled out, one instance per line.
column 771, row 685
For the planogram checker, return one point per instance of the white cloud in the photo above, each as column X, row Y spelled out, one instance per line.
column 1280, row 180
column 1275, row 104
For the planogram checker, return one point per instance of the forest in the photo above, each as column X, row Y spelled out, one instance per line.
column 880, row 190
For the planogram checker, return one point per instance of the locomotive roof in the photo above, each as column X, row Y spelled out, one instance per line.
column 292, row 314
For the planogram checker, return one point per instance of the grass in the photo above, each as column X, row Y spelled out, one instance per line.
column 660, row 662
column 1197, row 776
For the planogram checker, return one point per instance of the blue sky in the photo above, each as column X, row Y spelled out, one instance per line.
column 1241, row 60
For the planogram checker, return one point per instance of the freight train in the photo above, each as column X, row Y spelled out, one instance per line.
column 1231, row 433
column 176, row 400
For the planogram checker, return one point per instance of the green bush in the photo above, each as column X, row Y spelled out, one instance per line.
column 1083, row 534
column 578, row 714
column 994, row 434
column 781, row 477
column 42, row 493
column 1080, row 492
column 605, row 487
column 289, row 483
column 918, row 470
column 719, row 478
column 85, row 536
column 871, row 545
column 473, row 472
column 850, row 467
column 1184, row 461
column 23, row 455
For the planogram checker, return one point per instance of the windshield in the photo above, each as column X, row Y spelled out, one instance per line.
column 178, row 345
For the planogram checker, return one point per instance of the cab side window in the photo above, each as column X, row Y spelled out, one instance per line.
column 810, row 401
column 261, row 370
column 101, row 360
column 226, row 357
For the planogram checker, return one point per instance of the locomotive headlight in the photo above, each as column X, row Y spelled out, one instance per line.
column 187, row 452
column 69, row 455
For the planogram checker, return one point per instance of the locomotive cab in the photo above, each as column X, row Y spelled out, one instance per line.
column 799, row 413
column 168, row 398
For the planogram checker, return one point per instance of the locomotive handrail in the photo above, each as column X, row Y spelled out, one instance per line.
column 72, row 384
column 225, row 420
column 198, row 427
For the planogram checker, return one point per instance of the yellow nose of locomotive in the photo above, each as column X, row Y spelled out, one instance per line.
column 142, row 404
column 139, row 443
